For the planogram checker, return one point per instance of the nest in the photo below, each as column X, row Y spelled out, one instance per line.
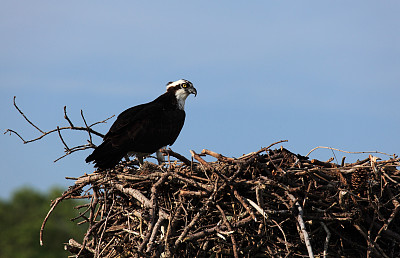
column 269, row 203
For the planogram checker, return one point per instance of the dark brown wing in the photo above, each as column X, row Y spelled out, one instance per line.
column 144, row 128
column 147, row 130
column 124, row 119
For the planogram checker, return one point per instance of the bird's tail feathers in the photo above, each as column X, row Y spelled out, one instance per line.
column 105, row 156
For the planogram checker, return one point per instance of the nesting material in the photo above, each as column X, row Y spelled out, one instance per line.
column 269, row 203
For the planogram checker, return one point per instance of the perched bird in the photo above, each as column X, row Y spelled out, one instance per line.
column 144, row 129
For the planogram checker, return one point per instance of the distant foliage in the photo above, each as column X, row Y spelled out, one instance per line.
column 21, row 217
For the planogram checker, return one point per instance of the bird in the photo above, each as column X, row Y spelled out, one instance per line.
column 144, row 129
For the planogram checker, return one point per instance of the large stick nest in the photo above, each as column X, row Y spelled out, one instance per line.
column 270, row 203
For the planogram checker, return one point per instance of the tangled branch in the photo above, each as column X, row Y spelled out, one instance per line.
column 68, row 150
column 265, row 203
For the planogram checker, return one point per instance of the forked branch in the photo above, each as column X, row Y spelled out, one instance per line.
column 71, row 126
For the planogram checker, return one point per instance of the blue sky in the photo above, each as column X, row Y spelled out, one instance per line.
column 316, row 73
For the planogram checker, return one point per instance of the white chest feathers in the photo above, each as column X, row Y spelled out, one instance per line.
column 181, row 96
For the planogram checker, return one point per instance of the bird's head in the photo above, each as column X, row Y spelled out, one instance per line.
column 182, row 89
column 184, row 86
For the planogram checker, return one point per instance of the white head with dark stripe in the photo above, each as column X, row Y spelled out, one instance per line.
column 182, row 88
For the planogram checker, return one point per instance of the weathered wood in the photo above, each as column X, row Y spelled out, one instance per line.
column 266, row 203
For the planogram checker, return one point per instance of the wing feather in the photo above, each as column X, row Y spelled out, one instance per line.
column 146, row 129
column 142, row 129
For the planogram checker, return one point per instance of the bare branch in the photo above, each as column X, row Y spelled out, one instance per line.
column 67, row 118
column 303, row 230
column 87, row 127
column 14, row 132
column 351, row 152
column 176, row 155
column 67, row 150
column 15, row 105
column 261, row 150
column 72, row 127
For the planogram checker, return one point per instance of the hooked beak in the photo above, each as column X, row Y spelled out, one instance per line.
column 193, row 91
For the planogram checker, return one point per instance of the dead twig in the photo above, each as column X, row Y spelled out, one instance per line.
column 71, row 126
column 302, row 225
column 351, row 152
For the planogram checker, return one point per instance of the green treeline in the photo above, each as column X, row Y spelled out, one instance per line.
column 21, row 218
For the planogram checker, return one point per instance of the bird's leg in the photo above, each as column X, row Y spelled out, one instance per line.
column 160, row 156
column 140, row 159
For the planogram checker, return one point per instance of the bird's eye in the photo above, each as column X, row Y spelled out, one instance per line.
column 184, row 85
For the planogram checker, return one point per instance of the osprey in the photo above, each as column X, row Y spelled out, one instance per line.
column 144, row 129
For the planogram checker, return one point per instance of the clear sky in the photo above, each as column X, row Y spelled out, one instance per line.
column 315, row 73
